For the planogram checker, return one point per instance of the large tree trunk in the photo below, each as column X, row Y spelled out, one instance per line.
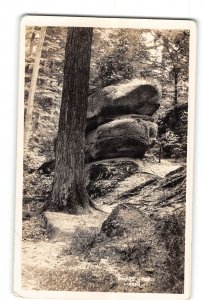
column 69, row 188
column 29, row 111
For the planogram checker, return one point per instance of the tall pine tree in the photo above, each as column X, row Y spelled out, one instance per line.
column 69, row 188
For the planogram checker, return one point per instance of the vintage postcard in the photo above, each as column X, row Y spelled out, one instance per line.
column 105, row 158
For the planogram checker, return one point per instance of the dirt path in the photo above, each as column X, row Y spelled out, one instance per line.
column 48, row 259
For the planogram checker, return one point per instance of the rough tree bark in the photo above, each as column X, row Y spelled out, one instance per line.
column 29, row 111
column 69, row 187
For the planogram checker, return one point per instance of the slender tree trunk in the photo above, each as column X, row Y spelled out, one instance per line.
column 160, row 152
column 29, row 111
column 69, row 188
column 30, row 51
column 32, row 39
column 176, row 88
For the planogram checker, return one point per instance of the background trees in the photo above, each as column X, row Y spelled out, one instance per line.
column 172, row 69
column 32, row 89
column 115, row 67
column 48, row 91
column 174, row 63
column 117, row 54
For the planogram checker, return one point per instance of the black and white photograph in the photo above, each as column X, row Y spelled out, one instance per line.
column 105, row 157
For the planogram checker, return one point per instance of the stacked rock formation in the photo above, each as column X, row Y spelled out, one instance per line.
column 120, row 122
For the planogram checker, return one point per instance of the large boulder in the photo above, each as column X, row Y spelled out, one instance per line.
column 123, row 219
column 125, row 137
column 105, row 176
column 132, row 97
column 146, row 230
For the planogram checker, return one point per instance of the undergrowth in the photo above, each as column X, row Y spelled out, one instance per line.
column 171, row 228
column 83, row 240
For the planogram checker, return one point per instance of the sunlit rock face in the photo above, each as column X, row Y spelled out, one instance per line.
column 132, row 97
column 119, row 120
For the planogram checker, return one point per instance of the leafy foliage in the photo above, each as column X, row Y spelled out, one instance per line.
column 114, row 68
column 173, row 132
column 123, row 55
column 135, row 251
column 173, row 227
column 174, row 63
column 48, row 89
column 83, row 240
column 37, row 186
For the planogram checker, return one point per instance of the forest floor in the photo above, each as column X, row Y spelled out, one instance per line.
column 57, row 258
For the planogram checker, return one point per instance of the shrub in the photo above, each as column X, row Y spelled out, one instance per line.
column 83, row 240
column 136, row 251
column 171, row 228
column 37, row 187
column 92, row 280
